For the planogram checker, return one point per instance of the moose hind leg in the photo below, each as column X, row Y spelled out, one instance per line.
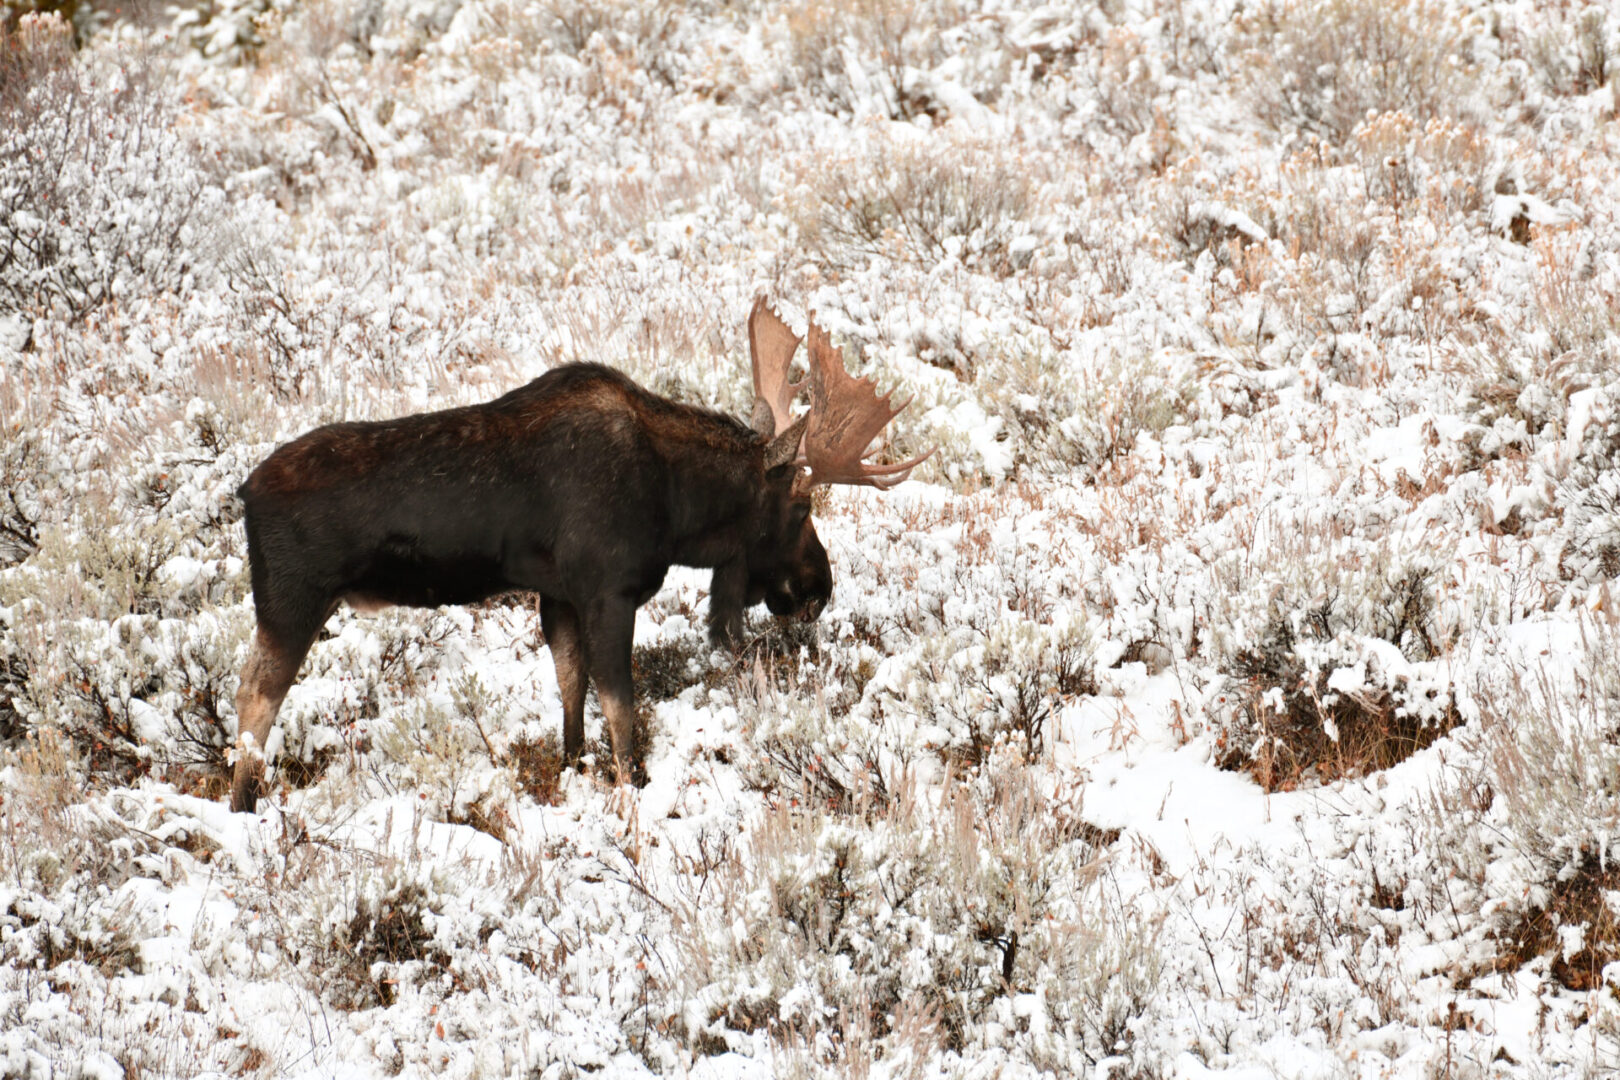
column 609, row 630
column 271, row 668
column 560, row 622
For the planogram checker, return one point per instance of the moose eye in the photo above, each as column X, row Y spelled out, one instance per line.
column 799, row 514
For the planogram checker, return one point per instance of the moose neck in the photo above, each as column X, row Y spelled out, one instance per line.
column 716, row 489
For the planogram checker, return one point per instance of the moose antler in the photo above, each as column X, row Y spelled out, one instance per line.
column 772, row 345
column 846, row 414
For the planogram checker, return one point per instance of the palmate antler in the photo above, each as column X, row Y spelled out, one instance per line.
column 772, row 345
column 846, row 413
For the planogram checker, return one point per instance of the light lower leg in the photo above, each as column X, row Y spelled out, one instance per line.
column 266, row 677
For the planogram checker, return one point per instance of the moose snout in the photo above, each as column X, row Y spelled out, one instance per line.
column 790, row 599
column 783, row 601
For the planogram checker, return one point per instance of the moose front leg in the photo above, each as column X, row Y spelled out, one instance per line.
column 728, row 600
column 560, row 621
column 609, row 632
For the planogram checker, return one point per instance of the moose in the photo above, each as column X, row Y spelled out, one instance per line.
column 580, row 486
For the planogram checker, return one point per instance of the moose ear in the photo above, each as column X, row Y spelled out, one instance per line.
column 763, row 420
column 784, row 448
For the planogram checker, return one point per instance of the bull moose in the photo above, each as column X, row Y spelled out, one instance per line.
column 580, row 486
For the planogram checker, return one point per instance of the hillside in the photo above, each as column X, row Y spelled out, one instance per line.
column 1233, row 693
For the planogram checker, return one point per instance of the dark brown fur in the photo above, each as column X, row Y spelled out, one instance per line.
column 581, row 486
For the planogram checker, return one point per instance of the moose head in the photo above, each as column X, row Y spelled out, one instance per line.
column 786, row 566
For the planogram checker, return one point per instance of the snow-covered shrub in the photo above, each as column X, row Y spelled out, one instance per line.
column 1554, row 370
column 1195, row 224
column 105, row 568
column 1574, row 48
column 1313, row 924
column 814, row 755
column 1120, row 91
column 324, row 49
column 121, row 638
column 919, row 201
column 1414, row 165
column 1411, row 56
column 101, row 198
column 1329, row 656
column 1572, row 927
column 134, row 694
column 278, row 324
column 1576, row 329
column 222, row 29
column 332, row 332
column 642, row 32
column 87, row 926
column 967, row 918
column 1588, row 495
column 367, row 688
column 862, row 57
column 1592, row 525
column 13, row 688
column 203, row 655
column 1549, row 751
column 1510, row 396
column 366, row 929
column 84, row 19
column 537, row 765
column 663, row 670
column 979, row 693
column 442, row 749
column 1088, row 410
column 62, row 868
column 20, row 513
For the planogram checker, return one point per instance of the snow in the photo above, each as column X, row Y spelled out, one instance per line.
column 1505, row 209
column 1271, row 394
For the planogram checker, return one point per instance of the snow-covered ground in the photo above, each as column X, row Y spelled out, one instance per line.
column 1235, row 692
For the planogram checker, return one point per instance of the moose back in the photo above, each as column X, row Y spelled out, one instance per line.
column 580, row 486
